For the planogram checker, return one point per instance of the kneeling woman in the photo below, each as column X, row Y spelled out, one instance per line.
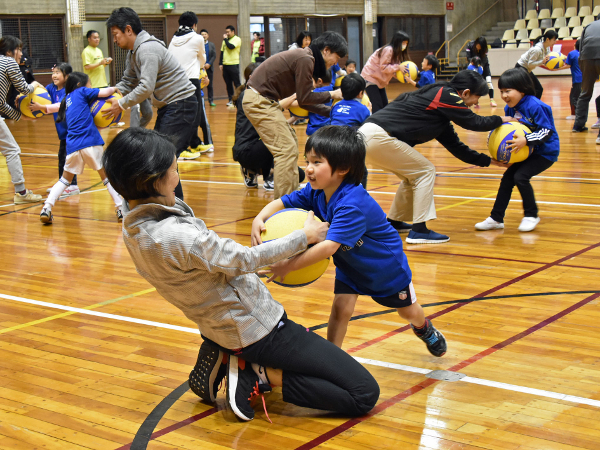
column 213, row 282
column 419, row 117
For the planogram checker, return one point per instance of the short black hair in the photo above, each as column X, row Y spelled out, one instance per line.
column 230, row 27
column 121, row 17
column 334, row 41
column 476, row 61
column 136, row 160
column 326, row 77
column 256, row 33
column 350, row 62
column 433, row 61
column 342, row 147
column 517, row 79
column 577, row 44
column 64, row 67
column 90, row 32
column 352, row 85
column 188, row 19
column 204, row 30
column 9, row 44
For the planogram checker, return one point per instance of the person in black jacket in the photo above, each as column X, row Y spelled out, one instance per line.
column 211, row 55
column 479, row 47
column 415, row 118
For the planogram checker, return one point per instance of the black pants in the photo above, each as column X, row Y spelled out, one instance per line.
column 209, row 89
column 256, row 158
column 378, row 97
column 231, row 75
column 574, row 96
column 201, row 120
column 487, row 73
column 520, row 174
column 316, row 373
column 62, row 158
column 177, row 120
column 536, row 83
column 590, row 70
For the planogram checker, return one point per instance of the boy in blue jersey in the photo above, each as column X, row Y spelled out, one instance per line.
column 572, row 63
column 475, row 65
column 427, row 75
column 366, row 249
column 316, row 121
column 350, row 111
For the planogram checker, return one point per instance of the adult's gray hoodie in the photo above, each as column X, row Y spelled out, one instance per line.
column 151, row 70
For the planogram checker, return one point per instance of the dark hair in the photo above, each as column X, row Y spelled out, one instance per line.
column 247, row 72
column 75, row 80
column 433, row 61
column 465, row 79
column 352, row 85
column 342, row 147
column 335, row 42
column 476, row 61
column 549, row 34
column 204, row 30
column 301, row 37
column 399, row 55
column 256, row 33
column 350, row 62
column 9, row 44
column 484, row 46
column 577, row 45
column 230, row 27
column 136, row 160
column 64, row 67
column 326, row 77
column 121, row 17
column 90, row 32
column 188, row 19
column 517, row 79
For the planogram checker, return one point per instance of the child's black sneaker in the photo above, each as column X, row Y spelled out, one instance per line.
column 249, row 178
column 119, row 214
column 243, row 385
column 435, row 341
column 46, row 216
column 208, row 373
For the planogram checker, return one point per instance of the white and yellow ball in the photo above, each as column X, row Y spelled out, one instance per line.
column 556, row 61
column 409, row 68
column 280, row 225
column 39, row 95
column 365, row 100
column 338, row 81
column 99, row 107
column 498, row 146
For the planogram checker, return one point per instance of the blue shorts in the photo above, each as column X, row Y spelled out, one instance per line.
column 391, row 301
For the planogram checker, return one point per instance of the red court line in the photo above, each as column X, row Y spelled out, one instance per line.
column 429, row 381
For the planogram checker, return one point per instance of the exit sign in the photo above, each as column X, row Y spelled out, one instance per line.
column 450, row 6
column 167, row 6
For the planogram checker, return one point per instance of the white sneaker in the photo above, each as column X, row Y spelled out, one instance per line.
column 596, row 125
column 570, row 117
column 489, row 224
column 71, row 190
column 598, row 140
column 529, row 223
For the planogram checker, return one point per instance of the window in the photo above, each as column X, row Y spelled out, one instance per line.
column 426, row 32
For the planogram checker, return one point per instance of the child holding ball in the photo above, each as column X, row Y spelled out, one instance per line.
column 84, row 143
column 518, row 92
column 359, row 235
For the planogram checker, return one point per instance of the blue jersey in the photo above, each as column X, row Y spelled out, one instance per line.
column 538, row 116
column 81, row 131
column 316, row 121
column 349, row 112
column 477, row 69
column 56, row 96
column 573, row 61
column 370, row 258
column 427, row 77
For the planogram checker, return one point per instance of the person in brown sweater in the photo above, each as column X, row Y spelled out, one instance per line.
column 279, row 77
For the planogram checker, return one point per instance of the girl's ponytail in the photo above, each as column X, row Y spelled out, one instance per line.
column 75, row 80
column 62, row 110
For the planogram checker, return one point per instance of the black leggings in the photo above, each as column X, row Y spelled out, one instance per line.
column 316, row 373
column 62, row 158
column 574, row 96
column 378, row 97
column 201, row 120
column 520, row 174
column 536, row 83
column 487, row 73
column 256, row 158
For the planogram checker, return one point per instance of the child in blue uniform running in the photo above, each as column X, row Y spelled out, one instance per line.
column 427, row 75
column 84, row 143
column 518, row 92
column 366, row 249
column 316, row 121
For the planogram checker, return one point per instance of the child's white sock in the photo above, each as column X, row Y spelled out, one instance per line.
column 114, row 194
column 56, row 192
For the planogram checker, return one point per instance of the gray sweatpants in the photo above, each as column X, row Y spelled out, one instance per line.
column 11, row 151
column 144, row 110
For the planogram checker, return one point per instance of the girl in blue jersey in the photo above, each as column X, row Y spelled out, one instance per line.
column 84, row 143
column 56, row 90
column 366, row 249
column 518, row 92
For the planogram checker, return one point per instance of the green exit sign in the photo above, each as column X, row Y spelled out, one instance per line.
column 167, row 6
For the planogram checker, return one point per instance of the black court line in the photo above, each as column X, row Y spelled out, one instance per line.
column 144, row 434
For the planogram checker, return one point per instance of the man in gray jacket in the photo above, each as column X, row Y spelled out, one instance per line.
column 152, row 71
column 589, row 62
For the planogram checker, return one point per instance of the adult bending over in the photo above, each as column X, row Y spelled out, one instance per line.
column 479, row 48
column 415, row 118
column 538, row 56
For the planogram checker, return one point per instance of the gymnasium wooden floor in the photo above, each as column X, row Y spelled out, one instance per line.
column 92, row 357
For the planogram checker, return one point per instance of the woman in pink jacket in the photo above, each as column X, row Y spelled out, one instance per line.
column 382, row 66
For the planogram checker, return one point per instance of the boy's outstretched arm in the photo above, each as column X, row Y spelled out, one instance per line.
column 258, row 225
column 314, row 254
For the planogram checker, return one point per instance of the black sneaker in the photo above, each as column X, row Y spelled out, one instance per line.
column 243, row 386
column 208, row 373
column 435, row 341
column 269, row 184
column 399, row 226
column 249, row 178
column 46, row 216
column 579, row 129
column 119, row 214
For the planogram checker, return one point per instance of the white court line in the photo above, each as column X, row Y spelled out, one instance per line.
column 61, row 198
column 372, row 362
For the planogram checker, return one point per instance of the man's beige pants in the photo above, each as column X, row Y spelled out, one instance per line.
column 278, row 136
column 414, row 198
